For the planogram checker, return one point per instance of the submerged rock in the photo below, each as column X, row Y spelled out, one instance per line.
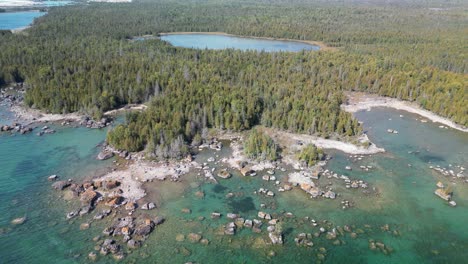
column 72, row 214
column 440, row 185
column 215, row 215
column 275, row 238
column 52, row 177
column 159, row 220
column 133, row 243
column 19, row 220
column 180, row 237
column 224, row 174
column 194, row 237
column 92, row 256
column 232, row 216
column 186, row 211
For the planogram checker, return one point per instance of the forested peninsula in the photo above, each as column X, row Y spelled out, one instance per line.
column 84, row 58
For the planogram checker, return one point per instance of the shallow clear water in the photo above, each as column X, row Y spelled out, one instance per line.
column 428, row 230
column 26, row 161
column 212, row 41
column 14, row 20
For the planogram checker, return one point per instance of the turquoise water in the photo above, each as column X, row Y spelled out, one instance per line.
column 422, row 227
column 16, row 20
column 208, row 41
column 25, row 162
column 54, row 3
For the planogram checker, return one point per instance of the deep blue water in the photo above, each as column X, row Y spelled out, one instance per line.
column 208, row 41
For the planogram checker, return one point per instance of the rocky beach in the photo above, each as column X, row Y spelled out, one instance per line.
column 219, row 197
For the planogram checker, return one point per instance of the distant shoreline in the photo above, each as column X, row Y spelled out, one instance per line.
column 321, row 45
column 362, row 101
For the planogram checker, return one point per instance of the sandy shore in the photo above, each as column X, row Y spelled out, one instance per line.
column 322, row 45
column 19, row 30
column 139, row 107
column 363, row 101
column 291, row 140
column 32, row 115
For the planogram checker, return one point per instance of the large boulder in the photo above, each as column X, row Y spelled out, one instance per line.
column 143, row 230
column 111, row 184
column 130, row 206
column 103, row 155
column 88, row 196
column 60, row 185
column 159, row 220
column 133, row 243
column 148, row 206
column 114, row 201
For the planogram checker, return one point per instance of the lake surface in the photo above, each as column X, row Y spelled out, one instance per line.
column 15, row 20
column 27, row 3
column 217, row 42
column 422, row 228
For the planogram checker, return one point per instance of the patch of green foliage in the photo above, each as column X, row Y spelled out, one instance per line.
column 310, row 155
column 260, row 146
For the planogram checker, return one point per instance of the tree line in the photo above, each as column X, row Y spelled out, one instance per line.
column 83, row 59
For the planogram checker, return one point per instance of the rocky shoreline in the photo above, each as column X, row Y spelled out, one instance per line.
column 121, row 195
column 25, row 120
column 129, row 227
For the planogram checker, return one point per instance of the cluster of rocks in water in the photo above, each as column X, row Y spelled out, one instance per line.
column 450, row 172
column 321, row 230
column 213, row 143
column 90, row 123
column 125, row 231
column 327, row 192
column 16, row 127
column 445, row 192
column 237, row 222
column 353, row 184
column 108, row 152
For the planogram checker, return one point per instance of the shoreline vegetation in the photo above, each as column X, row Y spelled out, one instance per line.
column 358, row 101
column 321, row 45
